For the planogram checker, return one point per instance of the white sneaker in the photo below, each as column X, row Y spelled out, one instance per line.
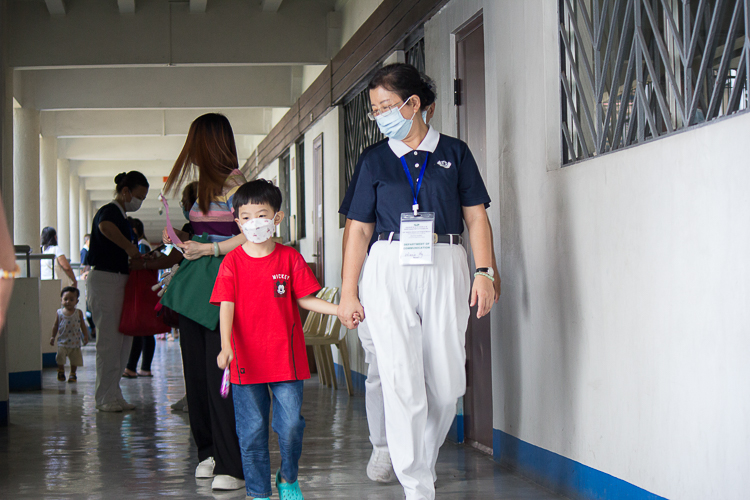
column 111, row 407
column 125, row 405
column 205, row 468
column 379, row 468
column 224, row 482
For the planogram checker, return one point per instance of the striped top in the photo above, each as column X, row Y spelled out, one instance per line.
column 219, row 221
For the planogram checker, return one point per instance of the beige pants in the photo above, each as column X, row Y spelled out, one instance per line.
column 105, row 295
column 71, row 353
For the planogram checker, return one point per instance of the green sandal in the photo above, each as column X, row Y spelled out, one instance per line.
column 288, row 491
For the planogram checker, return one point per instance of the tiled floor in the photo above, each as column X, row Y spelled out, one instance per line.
column 59, row 446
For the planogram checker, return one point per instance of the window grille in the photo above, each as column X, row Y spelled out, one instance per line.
column 359, row 132
column 635, row 70
column 415, row 55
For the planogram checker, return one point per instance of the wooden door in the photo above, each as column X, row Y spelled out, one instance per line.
column 470, row 100
column 317, row 212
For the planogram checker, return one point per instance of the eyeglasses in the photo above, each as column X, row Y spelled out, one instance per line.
column 373, row 115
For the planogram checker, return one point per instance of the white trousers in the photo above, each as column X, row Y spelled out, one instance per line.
column 373, row 391
column 105, row 295
column 418, row 317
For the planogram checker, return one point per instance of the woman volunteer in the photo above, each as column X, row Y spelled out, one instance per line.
column 112, row 242
column 416, row 192
column 210, row 150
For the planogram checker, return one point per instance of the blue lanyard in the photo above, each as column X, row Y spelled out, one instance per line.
column 415, row 191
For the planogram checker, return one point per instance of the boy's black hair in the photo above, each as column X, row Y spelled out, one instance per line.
column 71, row 289
column 257, row 192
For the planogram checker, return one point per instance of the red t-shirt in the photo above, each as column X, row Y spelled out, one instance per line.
column 267, row 338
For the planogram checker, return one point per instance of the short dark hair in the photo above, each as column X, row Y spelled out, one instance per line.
column 137, row 226
column 404, row 80
column 257, row 191
column 71, row 289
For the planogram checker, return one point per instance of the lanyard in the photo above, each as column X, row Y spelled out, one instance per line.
column 415, row 191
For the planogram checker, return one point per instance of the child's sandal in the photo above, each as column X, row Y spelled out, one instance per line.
column 61, row 376
column 288, row 491
column 72, row 378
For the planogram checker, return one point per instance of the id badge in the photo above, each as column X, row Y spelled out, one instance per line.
column 416, row 242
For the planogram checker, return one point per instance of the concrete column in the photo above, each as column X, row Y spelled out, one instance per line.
column 75, row 236
column 89, row 215
column 26, row 177
column 63, row 205
column 48, row 182
column 83, row 222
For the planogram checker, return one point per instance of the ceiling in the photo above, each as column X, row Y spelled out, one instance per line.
column 118, row 83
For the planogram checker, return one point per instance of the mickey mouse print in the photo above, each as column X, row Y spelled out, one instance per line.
column 281, row 285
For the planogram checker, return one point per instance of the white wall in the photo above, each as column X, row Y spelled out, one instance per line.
column 354, row 13
column 621, row 338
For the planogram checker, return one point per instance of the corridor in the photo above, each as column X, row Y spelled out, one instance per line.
column 58, row 446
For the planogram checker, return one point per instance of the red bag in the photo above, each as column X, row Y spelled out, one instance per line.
column 139, row 305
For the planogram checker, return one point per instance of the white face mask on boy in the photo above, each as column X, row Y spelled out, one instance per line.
column 259, row 230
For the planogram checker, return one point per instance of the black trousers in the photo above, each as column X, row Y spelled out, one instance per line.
column 211, row 416
column 147, row 345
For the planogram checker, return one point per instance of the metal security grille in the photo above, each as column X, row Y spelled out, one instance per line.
column 635, row 70
column 415, row 55
column 359, row 132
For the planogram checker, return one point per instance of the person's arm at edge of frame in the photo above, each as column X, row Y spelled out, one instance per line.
column 54, row 330
column 84, row 328
column 483, row 291
column 226, row 317
column 7, row 263
column 494, row 263
column 356, row 249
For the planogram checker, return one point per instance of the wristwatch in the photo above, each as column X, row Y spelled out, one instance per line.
column 487, row 270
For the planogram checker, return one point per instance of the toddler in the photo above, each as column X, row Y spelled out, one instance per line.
column 258, row 288
column 70, row 330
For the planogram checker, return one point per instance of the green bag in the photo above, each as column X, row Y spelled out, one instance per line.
column 191, row 287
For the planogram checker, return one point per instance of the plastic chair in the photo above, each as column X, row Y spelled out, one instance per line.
column 323, row 333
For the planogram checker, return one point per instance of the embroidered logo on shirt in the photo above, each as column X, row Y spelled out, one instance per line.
column 280, row 284
column 444, row 164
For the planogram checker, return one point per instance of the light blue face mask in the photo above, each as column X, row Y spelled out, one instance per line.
column 393, row 124
column 424, row 116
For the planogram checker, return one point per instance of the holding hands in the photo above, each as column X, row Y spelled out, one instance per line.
column 350, row 311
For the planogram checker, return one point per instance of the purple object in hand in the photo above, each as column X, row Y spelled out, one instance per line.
column 225, row 383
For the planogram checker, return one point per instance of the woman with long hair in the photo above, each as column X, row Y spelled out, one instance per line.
column 210, row 155
column 113, row 244
column 416, row 192
column 49, row 246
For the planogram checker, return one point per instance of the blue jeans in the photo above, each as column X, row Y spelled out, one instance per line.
column 251, row 407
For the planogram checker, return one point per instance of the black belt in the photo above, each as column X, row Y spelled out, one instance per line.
column 452, row 239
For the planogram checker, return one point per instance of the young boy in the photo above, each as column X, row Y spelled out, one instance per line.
column 70, row 329
column 259, row 286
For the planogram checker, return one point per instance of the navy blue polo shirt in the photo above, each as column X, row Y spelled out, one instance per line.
column 104, row 254
column 344, row 209
column 451, row 181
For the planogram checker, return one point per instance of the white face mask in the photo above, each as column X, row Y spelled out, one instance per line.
column 258, row 230
column 133, row 205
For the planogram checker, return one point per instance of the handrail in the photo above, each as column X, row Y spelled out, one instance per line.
column 35, row 256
